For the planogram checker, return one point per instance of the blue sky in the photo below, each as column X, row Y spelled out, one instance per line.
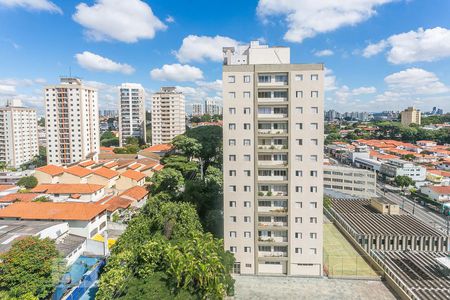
column 379, row 54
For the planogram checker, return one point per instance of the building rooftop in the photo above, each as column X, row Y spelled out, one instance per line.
column 105, row 172
column 135, row 193
column 133, row 175
column 160, row 148
column 65, row 188
column 5, row 187
column 51, row 170
column 52, row 211
column 439, row 189
column 21, row 197
column 69, row 243
column 78, row 171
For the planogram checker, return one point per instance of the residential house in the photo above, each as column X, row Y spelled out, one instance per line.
column 137, row 194
column 80, row 192
column 48, row 174
column 75, row 174
column 437, row 193
column 130, row 178
column 104, row 176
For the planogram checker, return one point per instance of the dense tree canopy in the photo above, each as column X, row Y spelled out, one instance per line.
column 31, row 268
column 28, row 182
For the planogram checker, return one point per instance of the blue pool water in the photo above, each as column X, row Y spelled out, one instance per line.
column 79, row 267
column 90, row 293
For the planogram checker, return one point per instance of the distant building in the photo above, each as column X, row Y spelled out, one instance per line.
column 72, row 122
column 411, row 116
column 437, row 193
column 197, row 109
column 168, row 115
column 109, row 113
column 132, row 112
column 211, row 108
column 332, row 115
column 355, row 182
column 18, row 134
column 398, row 167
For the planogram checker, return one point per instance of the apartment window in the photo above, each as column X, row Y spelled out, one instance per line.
column 232, row 157
column 298, row 77
column 298, row 157
column 314, row 94
column 247, row 188
column 232, row 126
column 313, row 158
column 232, row 203
column 314, row 110
column 298, row 235
column 233, row 219
column 231, row 79
column 314, row 126
column 314, row 77
column 247, row 204
column 247, row 95
column 298, row 250
column 312, row 204
column 299, row 142
column 232, row 188
column 299, row 110
column 298, row 94
column 247, row 219
column 247, row 234
column 232, row 110
column 298, row 220
column 313, row 220
column 247, row 249
column 232, row 142
column 313, row 189
column 233, row 249
column 247, row 173
column 299, row 126
column 298, row 204
column 232, row 172
column 313, row 173
column 315, row 142
column 246, row 126
column 247, row 157
column 264, row 78
column 232, row 95
column 298, row 189
column 246, row 78
column 247, row 142
column 298, row 173
column 281, row 78
column 233, row 234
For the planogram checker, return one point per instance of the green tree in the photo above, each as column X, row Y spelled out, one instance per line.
column 189, row 146
column 167, row 180
column 403, row 181
column 408, row 156
column 107, row 135
column 131, row 140
column 182, row 164
column 210, row 138
column 32, row 267
column 28, row 182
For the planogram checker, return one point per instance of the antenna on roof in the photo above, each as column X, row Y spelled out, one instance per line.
column 70, row 71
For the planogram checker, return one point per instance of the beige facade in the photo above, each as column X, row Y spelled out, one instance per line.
column 356, row 182
column 168, row 115
column 18, row 134
column 107, row 182
column 72, row 122
column 273, row 162
column 411, row 116
column 131, row 112
column 73, row 179
column 125, row 183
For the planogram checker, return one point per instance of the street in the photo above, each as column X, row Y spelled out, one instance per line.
column 425, row 214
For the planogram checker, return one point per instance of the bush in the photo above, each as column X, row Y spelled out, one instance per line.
column 28, row 182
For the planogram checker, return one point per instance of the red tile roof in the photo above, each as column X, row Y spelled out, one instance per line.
column 134, row 166
column 22, row 197
column 440, row 189
column 106, row 173
column 61, row 188
column 52, row 211
column 439, row 172
column 133, row 175
column 87, row 163
column 159, row 148
column 78, row 171
column 51, row 170
column 117, row 202
column 158, row 168
column 136, row 193
column 111, row 164
column 5, row 187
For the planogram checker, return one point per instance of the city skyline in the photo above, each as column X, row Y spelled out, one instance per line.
column 372, row 62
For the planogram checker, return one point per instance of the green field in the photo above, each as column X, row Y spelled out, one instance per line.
column 340, row 258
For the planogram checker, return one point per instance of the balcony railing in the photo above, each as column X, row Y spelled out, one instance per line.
column 273, row 116
column 271, row 254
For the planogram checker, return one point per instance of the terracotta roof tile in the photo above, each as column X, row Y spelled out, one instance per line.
column 160, row 148
column 22, row 197
column 136, row 193
column 111, row 164
column 78, row 171
column 106, row 173
column 51, row 170
column 440, row 189
column 117, row 202
column 52, row 211
column 133, row 175
column 134, row 166
column 87, row 163
column 61, row 188
column 158, row 168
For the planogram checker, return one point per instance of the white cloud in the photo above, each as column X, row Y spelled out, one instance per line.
column 307, row 18
column 7, row 89
column 329, row 80
column 38, row 5
column 177, row 72
column 414, row 46
column 364, row 90
column 326, row 52
column 201, row 48
column 215, row 85
column 107, row 94
column 415, row 81
column 94, row 62
column 125, row 21
column 374, row 49
column 170, row 19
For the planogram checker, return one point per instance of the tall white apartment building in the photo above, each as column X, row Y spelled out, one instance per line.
column 72, row 122
column 18, row 134
column 211, row 108
column 168, row 115
column 197, row 109
column 131, row 112
column 273, row 161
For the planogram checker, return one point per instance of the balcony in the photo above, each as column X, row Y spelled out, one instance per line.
column 272, row 210
column 272, row 224
column 272, row 254
column 273, row 79
column 272, row 239
column 272, row 147
column 273, row 115
column 272, row 178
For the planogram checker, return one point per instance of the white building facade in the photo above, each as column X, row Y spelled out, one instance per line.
column 72, row 122
column 131, row 112
column 355, row 182
column 398, row 167
column 197, row 109
column 168, row 115
column 273, row 161
column 18, row 134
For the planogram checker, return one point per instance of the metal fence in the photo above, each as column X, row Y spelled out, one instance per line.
column 348, row 266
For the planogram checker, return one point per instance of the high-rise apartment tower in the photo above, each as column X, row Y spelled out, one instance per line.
column 273, row 156
column 131, row 112
column 72, row 122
